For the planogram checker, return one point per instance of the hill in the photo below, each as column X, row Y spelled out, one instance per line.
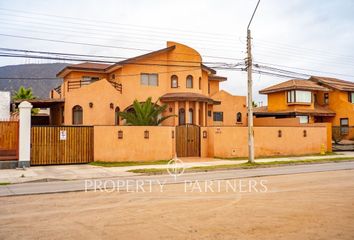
column 40, row 87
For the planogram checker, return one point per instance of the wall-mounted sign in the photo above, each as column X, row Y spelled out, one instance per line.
column 63, row 135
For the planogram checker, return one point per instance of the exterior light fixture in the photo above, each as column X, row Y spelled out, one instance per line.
column 120, row 134
column 279, row 133
column 111, row 105
column 173, row 134
column 305, row 133
column 170, row 109
column 146, row 134
column 91, row 104
column 205, row 134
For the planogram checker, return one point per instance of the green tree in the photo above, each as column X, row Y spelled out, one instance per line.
column 254, row 104
column 25, row 94
column 145, row 114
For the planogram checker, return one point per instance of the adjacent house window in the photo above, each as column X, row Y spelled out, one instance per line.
column 351, row 97
column 218, row 116
column 299, row 96
column 303, row 119
column 239, row 117
column 174, row 81
column 149, row 79
column 116, row 116
column 77, row 115
column 189, row 81
column 326, row 98
column 344, row 126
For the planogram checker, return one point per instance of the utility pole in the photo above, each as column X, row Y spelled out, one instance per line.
column 249, row 90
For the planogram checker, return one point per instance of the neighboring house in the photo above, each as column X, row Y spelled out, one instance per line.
column 318, row 99
column 4, row 105
column 93, row 94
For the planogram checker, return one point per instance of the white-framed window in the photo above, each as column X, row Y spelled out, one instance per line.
column 90, row 78
column 149, row 79
column 351, row 97
column 174, row 81
column 299, row 96
column 303, row 119
column 190, row 116
column 189, row 81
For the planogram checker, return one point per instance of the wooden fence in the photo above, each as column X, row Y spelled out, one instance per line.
column 61, row 145
column 8, row 140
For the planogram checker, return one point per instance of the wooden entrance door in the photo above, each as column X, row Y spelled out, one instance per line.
column 188, row 141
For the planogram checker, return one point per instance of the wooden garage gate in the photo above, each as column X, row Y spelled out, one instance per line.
column 61, row 145
column 8, row 140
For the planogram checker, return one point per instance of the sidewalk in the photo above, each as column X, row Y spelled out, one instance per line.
column 85, row 171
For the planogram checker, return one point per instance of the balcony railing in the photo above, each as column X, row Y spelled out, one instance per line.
column 78, row 84
column 117, row 86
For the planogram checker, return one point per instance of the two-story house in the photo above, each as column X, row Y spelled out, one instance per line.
column 93, row 93
column 318, row 99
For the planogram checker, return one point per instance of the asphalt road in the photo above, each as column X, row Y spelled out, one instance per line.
column 82, row 185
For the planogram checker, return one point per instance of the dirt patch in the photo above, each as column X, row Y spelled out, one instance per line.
column 299, row 206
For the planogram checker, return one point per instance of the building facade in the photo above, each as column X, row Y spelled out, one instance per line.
column 318, row 99
column 94, row 94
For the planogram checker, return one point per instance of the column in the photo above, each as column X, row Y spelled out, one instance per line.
column 206, row 114
column 186, row 112
column 176, row 113
column 196, row 113
column 203, row 115
column 25, row 134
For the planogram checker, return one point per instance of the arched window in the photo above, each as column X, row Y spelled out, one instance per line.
column 239, row 117
column 181, row 116
column 116, row 116
column 190, row 115
column 77, row 114
column 200, row 83
column 174, row 81
column 189, row 81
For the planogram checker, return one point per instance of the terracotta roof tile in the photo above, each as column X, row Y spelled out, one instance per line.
column 186, row 96
column 217, row 78
column 318, row 110
column 298, row 84
column 334, row 83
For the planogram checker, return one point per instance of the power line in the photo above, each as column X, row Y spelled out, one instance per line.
column 101, row 56
column 86, row 20
column 103, row 61
column 104, row 46
column 305, row 69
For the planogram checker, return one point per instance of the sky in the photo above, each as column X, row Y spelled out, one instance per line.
column 310, row 37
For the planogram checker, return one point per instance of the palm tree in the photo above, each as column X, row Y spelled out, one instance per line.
column 254, row 104
column 23, row 93
column 145, row 114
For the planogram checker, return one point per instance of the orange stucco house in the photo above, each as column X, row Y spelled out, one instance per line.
column 93, row 93
column 318, row 99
